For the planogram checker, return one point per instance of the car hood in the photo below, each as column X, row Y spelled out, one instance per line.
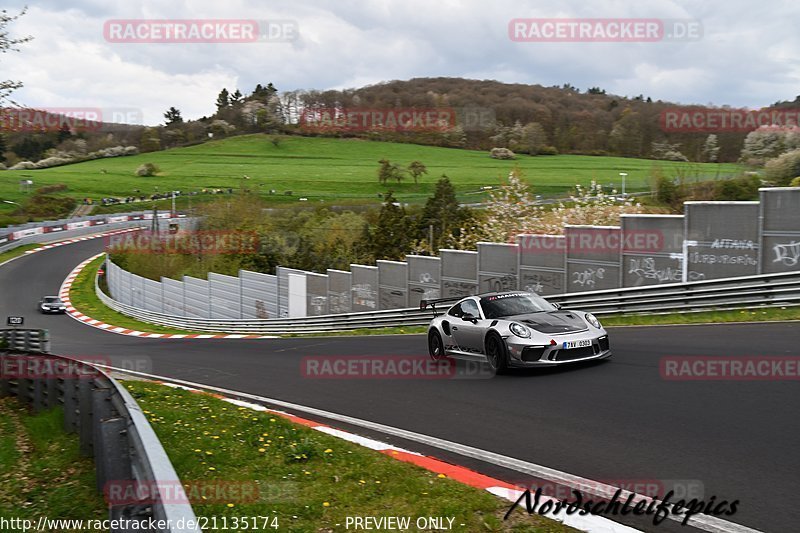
column 551, row 322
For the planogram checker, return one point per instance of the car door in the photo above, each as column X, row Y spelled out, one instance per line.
column 469, row 335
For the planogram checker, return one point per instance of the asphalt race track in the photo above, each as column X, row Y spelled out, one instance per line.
column 615, row 420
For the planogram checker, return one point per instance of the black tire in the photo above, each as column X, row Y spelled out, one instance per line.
column 496, row 353
column 435, row 345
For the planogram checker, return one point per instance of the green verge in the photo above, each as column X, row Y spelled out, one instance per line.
column 707, row 317
column 306, row 480
column 397, row 330
column 41, row 470
column 18, row 251
column 86, row 301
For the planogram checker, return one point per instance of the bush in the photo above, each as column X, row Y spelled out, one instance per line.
column 46, row 206
column 548, row 150
column 667, row 191
column 24, row 165
column 741, row 188
column 502, row 153
column 783, row 169
column 147, row 169
column 795, row 182
column 48, row 189
column 54, row 162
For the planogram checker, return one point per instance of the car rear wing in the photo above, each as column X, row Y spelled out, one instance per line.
column 425, row 304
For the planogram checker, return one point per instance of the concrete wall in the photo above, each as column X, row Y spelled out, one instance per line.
column 723, row 239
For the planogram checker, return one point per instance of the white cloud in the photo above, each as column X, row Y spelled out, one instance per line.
column 747, row 56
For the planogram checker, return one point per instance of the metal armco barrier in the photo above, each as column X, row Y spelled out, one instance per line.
column 732, row 293
column 52, row 230
column 25, row 340
column 112, row 429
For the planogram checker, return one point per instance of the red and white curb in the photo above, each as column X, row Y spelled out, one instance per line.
column 64, row 294
column 499, row 488
column 79, row 239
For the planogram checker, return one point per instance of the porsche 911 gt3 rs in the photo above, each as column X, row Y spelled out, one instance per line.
column 515, row 329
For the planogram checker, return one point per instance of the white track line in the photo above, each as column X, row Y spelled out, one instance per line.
column 704, row 522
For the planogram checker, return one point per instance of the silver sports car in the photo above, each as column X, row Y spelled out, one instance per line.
column 514, row 329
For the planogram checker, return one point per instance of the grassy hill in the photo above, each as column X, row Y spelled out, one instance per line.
column 336, row 171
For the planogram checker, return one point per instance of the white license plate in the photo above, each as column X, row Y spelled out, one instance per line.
column 576, row 344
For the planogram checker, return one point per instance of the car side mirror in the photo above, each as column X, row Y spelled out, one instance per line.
column 468, row 317
column 557, row 306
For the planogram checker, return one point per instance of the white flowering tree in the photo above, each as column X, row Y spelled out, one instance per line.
column 768, row 142
column 512, row 210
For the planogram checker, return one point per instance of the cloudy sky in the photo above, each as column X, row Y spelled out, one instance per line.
column 748, row 55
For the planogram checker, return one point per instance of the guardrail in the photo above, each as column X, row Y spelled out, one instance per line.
column 730, row 293
column 112, row 429
column 25, row 340
column 36, row 232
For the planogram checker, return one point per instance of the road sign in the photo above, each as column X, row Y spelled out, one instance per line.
column 15, row 321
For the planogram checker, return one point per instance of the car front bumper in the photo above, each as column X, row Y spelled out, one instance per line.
column 53, row 311
column 526, row 353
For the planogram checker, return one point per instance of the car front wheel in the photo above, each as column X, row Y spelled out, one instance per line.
column 496, row 354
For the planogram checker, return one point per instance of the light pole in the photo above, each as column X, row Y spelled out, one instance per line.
column 623, row 175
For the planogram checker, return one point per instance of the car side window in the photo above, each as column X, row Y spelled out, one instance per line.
column 471, row 307
column 456, row 311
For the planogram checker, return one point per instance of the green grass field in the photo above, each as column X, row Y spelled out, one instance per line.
column 303, row 479
column 335, row 171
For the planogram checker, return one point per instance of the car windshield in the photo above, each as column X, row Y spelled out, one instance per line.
column 52, row 300
column 514, row 304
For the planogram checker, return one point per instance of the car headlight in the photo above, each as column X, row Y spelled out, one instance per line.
column 519, row 330
column 591, row 319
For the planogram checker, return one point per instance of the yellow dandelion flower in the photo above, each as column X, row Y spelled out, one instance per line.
column 326, row 504
column 328, row 451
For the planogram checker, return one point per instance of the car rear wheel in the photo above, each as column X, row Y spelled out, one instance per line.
column 435, row 345
column 496, row 353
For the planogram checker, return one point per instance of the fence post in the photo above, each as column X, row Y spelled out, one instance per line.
column 101, row 411
column 4, row 387
column 85, row 415
column 50, row 393
column 70, row 404
column 116, row 463
column 38, row 393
